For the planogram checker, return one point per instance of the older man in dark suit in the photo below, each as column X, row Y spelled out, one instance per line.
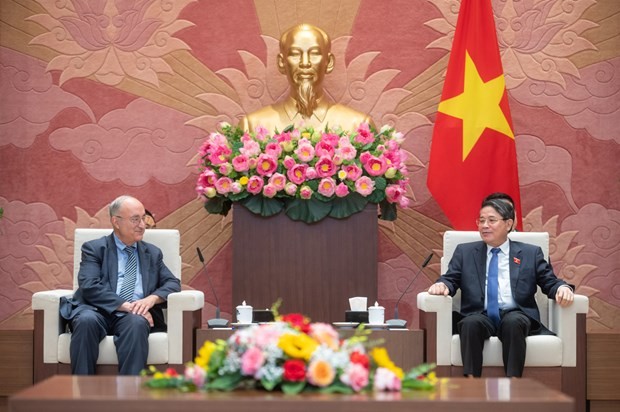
column 123, row 283
column 498, row 279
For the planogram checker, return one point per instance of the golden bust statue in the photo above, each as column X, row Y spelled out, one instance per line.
column 305, row 58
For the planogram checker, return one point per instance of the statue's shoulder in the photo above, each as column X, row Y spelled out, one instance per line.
column 267, row 116
column 346, row 117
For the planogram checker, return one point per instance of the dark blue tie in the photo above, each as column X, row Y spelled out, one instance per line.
column 492, row 286
column 131, row 272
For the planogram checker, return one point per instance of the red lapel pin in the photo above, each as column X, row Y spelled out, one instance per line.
column 517, row 261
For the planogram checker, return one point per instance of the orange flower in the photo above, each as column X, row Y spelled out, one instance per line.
column 321, row 373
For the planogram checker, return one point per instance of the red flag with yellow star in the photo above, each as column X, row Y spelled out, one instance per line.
column 473, row 148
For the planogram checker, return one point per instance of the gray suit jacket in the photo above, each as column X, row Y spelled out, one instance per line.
column 98, row 275
column 528, row 268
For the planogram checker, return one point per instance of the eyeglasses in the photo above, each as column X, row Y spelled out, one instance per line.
column 135, row 220
column 491, row 221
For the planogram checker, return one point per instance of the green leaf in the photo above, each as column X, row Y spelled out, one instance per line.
column 309, row 211
column 288, row 128
column 343, row 207
column 293, row 388
column 320, row 197
column 218, row 205
column 376, row 196
column 380, row 183
column 337, row 387
column 388, row 210
column 235, row 197
column 269, row 385
column 226, row 382
column 263, row 206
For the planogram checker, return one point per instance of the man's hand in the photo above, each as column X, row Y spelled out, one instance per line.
column 142, row 306
column 149, row 318
column 439, row 288
column 564, row 296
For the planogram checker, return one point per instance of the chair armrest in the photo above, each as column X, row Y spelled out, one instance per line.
column 563, row 322
column 442, row 305
column 49, row 303
column 178, row 303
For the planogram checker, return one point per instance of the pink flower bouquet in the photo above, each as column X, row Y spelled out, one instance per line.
column 308, row 174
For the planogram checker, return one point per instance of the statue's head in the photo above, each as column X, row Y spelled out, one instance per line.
column 305, row 58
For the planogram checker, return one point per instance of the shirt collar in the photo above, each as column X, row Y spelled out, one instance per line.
column 504, row 247
column 290, row 106
column 120, row 245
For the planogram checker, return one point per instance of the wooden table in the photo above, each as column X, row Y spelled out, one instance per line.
column 406, row 347
column 62, row 393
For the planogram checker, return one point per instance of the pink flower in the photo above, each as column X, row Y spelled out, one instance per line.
column 330, row 138
column 273, row 149
column 404, row 202
column 219, row 155
column 386, row 380
column 305, row 192
column 393, row 157
column 327, row 187
column 250, row 148
column 225, row 169
column 196, row 375
column 324, row 148
column 311, row 173
column 364, row 186
column 269, row 190
column 348, row 152
column 305, row 151
column 236, row 188
column 364, row 157
column 375, row 166
column 240, row 163
column 288, row 162
column 207, row 178
column 297, row 173
column 261, row 133
column 266, row 165
column 278, row 180
column 325, row 334
column 393, row 193
column 355, row 376
column 353, row 172
column 255, row 185
column 364, row 135
column 290, row 189
column 325, row 167
column 251, row 361
column 342, row 190
column 222, row 185
column 282, row 137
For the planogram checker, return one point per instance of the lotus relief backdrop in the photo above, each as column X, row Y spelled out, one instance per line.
column 105, row 97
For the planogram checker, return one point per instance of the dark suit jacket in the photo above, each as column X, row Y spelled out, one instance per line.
column 98, row 277
column 528, row 268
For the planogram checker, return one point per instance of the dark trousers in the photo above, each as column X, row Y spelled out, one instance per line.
column 131, row 334
column 513, row 328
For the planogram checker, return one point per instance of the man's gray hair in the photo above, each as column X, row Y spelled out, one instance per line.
column 505, row 209
column 116, row 204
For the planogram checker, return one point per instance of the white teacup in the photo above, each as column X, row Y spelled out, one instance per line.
column 376, row 315
column 244, row 313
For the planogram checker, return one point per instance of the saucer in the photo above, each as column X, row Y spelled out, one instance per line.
column 345, row 325
column 376, row 325
column 240, row 325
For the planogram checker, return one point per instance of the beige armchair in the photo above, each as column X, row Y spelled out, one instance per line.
column 558, row 361
column 166, row 349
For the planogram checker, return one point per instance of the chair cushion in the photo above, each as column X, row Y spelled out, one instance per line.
column 542, row 350
column 158, row 349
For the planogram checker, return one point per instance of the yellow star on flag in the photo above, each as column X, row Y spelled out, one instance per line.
column 478, row 106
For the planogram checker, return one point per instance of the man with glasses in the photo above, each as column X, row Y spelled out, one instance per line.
column 122, row 283
column 498, row 279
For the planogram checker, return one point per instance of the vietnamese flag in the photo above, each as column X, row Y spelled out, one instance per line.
column 473, row 148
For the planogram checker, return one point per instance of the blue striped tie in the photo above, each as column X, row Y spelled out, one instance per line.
column 492, row 286
column 131, row 271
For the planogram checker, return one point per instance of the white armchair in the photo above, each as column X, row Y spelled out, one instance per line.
column 559, row 361
column 171, row 349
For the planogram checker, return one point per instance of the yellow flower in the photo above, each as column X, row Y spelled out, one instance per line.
column 297, row 346
column 243, row 180
column 204, row 354
column 382, row 359
column 321, row 373
column 158, row 375
column 342, row 174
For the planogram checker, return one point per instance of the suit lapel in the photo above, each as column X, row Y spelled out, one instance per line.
column 514, row 264
column 480, row 258
column 112, row 263
column 145, row 261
